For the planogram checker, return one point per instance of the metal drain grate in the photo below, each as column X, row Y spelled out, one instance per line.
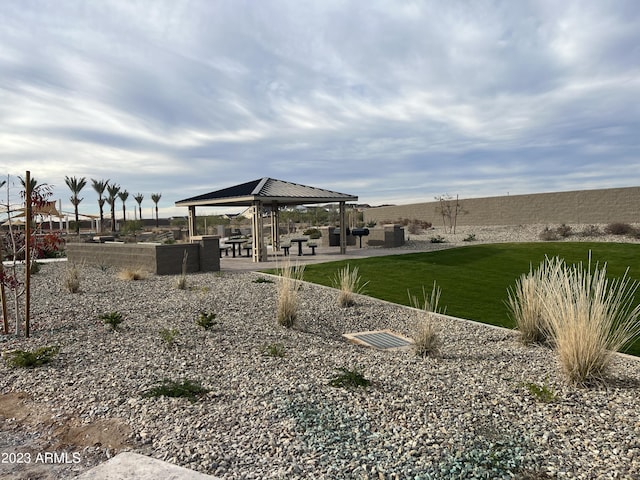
column 380, row 339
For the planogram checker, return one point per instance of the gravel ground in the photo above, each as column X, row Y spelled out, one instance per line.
column 465, row 413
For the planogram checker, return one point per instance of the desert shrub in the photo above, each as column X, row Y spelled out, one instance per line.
column 371, row 224
column 287, row 302
column 349, row 283
column 437, row 239
column 131, row 274
column 263, row 280
column 35, row 267
column 72, row 279
column 548, row 235
column 426, row 340
column 525, row 300
column 168, row 335
column 312, row 233
column 177, row 389
column 589, row 318
column 206, row 320
column 273, row 350
column 591, row 231
column 349, row 378
column 564, row 231
column 618, row 228
column 112, row 320
column 181, row 282
column 31, row 359
column 470, row 238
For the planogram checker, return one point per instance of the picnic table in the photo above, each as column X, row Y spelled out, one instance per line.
column 238, row 242
column 299, row 241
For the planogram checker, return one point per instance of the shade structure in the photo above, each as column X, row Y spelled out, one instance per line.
column 267, row 193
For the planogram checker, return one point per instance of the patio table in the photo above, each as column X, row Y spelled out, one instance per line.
column 234, row 242
column 299, row 241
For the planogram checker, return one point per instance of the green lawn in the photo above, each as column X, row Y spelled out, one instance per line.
column 474, row 279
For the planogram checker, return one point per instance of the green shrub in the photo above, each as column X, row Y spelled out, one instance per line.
column 438, row 239
column 312, row 233
column 112, row 320
column 273, row 350
column 206, row 320
column 348, row 378
column 542, row 393
column 31, row 359
column 177, row 389
column 168, row 335
column 263, row 280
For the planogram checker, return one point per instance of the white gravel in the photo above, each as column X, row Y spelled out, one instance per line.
column 465, row 413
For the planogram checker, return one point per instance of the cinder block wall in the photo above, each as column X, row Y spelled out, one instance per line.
column 581, row 206
column 159, row 259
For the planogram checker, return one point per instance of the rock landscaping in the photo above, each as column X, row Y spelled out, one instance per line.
column 260, row 400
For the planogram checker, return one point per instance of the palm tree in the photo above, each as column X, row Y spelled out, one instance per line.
column 139, row 197
column 113, row 190
column 99, row 186
column 156, row 198
column 75, row 185
column 123, row 196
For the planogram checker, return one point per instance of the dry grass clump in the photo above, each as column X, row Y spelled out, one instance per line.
column 425, row 335
column 131, row 274
column 525, row 301
column 349, row 283
column 589, row 317
column 288, row 286
column 583, row 314
column 72, row 279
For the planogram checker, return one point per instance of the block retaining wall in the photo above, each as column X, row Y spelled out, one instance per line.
column 576, row 207
column 203, row 256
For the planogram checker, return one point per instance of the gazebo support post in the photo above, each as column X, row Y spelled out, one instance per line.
column 258, row 232
column 343, row 229
column 275, row 227
column 193, row 225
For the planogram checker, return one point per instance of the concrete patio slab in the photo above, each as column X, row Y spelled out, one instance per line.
column 133, row 466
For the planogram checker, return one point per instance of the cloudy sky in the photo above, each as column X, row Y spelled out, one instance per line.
column 394, row 101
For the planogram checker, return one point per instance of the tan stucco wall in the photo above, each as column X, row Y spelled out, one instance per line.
column 582, row 206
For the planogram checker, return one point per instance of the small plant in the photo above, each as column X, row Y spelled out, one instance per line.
column 72, row 280
column 425, row 336
column 349, row 283
column 168, row 335
column 274, row 350
column 206, row 320
column 31, row 359
column 287, row 303
column 35, row 267
column 181, row 283
column 548, row 235
column 470, row 238
column 112, row 320
column 591, row 231
column 349, row 378
column 177, row 389
column 437, row 239
column 312, row 233
column 542, row 393
column 129, row 274
column 263, row 280
column 564, row 231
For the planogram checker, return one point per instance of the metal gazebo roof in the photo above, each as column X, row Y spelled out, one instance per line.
column 268, row 191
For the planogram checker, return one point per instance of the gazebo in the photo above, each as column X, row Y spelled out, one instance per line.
column 267, row 193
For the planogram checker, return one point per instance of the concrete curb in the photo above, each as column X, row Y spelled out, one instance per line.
column 133, row 466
